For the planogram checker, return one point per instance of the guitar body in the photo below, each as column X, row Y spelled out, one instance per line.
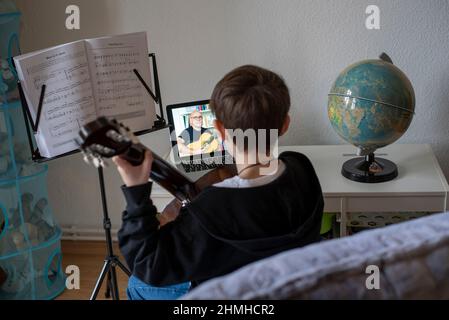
column 207, row 143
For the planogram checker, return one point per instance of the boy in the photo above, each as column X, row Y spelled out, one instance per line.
column 272, row 205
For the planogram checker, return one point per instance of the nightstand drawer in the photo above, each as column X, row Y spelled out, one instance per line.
column 428, row 203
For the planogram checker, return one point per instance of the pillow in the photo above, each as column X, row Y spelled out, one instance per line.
column 412, row 259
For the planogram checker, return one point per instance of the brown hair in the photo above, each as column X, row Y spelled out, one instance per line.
column 250, row 97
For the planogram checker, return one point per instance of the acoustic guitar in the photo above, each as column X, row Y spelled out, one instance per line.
column 106, row 138
column 207, row 143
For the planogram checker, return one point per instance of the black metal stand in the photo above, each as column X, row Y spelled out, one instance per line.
column 369, row 169
column 111, row 260
column 160, row 122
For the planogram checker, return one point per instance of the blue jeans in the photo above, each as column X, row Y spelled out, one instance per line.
column 138, row 290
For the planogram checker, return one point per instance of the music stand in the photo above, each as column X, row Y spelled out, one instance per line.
column 111, row 260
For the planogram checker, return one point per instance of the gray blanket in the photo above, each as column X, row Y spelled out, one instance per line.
column 412, row 260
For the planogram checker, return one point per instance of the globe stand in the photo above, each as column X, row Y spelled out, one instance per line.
column 369, row 169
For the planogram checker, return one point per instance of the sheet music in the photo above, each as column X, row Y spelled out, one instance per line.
column 68, row 102
column 84, row 80
column 118, row 92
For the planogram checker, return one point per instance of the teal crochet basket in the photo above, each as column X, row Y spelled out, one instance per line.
column 30, row 253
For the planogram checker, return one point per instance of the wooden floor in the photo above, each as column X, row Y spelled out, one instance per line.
column 89, row 257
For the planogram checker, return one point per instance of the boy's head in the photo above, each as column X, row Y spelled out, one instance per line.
column 250, row 97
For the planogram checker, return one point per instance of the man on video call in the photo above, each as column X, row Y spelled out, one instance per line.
column 189, row 139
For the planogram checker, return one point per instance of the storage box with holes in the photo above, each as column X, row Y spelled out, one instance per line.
column 30, row 257
column 363, row 220
column 30, row 254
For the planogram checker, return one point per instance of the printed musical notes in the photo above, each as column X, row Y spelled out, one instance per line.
column 115, row 80
column 118, row 92
column 86, row 79
column 68, row 97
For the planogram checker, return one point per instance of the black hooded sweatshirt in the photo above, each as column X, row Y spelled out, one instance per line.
column 222, row 229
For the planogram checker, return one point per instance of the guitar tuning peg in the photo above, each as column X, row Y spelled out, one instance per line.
column 87, row 157
column 108, row 151
column 96, row 162
column 118, row 137
column 98, row 148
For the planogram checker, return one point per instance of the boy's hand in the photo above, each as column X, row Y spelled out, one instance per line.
column 133, row 176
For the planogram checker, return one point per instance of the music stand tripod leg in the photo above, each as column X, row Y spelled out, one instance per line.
column 104, row 271
column 107, row 294
column 109, row 270
column 111, row 261
column 124, row 269
column 112, row 274
column 114, row 286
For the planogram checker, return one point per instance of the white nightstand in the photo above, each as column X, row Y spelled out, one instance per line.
column 420, row 186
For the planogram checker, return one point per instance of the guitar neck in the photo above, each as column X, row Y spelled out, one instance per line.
column 164, row 174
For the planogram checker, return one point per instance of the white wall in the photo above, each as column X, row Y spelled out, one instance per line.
column 307, row 41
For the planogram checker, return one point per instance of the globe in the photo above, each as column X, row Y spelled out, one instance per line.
column 370, row 105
